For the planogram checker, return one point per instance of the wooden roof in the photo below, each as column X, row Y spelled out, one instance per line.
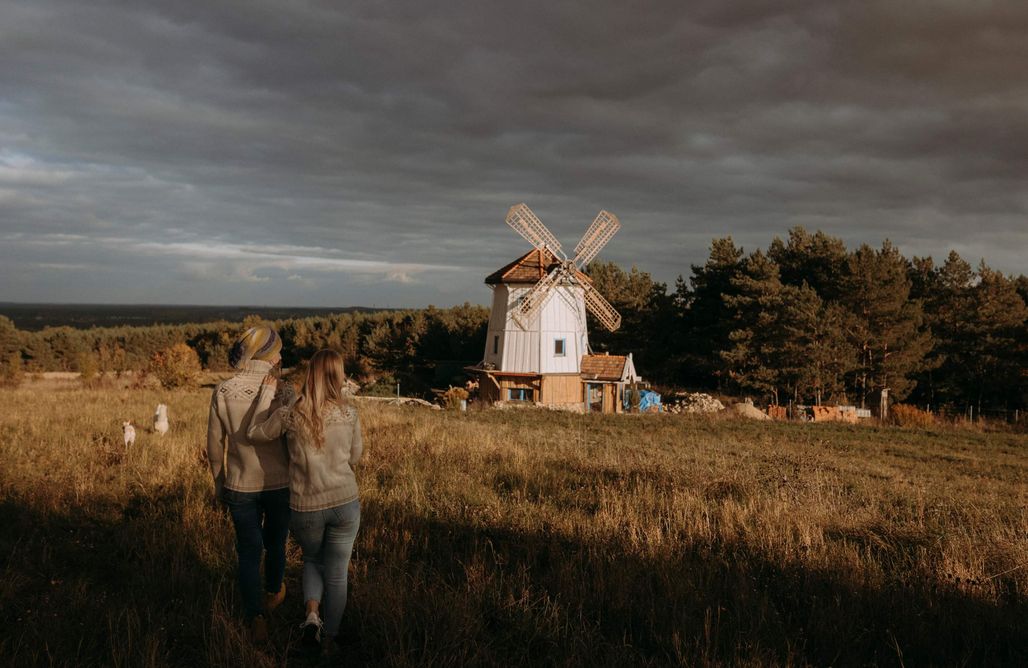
column 527, row 269
column 603, row 367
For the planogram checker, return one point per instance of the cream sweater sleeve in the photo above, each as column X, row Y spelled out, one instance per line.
column 264, row 426
column 216, row 444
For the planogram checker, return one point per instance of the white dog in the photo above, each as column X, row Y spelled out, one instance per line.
column 130, row 433
column 160, row 419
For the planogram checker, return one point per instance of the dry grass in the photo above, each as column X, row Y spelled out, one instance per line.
column 505, row 538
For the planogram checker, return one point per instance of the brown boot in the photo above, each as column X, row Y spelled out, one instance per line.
column 259, row 629
column 272, row 601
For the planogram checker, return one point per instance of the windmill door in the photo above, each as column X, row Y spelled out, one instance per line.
column 594, row 397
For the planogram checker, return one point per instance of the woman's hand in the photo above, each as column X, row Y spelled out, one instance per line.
column 270, row 382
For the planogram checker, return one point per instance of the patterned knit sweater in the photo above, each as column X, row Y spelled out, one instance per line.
column 323, row 477
column 237, row 463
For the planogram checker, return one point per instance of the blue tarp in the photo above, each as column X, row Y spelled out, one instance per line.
column 648, row 399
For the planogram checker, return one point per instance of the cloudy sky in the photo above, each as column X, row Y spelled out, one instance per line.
column 328, row 153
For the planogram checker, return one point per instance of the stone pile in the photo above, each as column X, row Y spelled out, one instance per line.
column 694, row 403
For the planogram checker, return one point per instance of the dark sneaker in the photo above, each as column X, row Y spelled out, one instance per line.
column 310, row 633
column 259, row 629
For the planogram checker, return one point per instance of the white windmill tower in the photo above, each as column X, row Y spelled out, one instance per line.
column 537, row 347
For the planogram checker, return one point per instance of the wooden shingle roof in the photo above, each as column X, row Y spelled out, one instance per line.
column 527, row 269
column 603, row 367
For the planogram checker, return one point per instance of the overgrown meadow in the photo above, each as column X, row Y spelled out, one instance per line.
column 528, row 538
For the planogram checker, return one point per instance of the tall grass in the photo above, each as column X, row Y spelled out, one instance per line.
column 529, row 537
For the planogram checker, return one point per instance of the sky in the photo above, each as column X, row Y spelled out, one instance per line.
column 273, row 152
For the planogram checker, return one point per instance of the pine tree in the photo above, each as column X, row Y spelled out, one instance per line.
column 888, row 330
column 988, row 362
column 948, row 305
column 815, row 259
column 816, row 353
column 708, row 319
column 753, row 352
column 643, row 304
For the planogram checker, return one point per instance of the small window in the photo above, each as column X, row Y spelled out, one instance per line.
column 496, row 343
column 519, row 394
column 559, row 345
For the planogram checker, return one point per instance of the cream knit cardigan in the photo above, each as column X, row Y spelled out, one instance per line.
column 236, row 462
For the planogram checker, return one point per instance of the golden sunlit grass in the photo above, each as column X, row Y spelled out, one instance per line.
column 529, row 537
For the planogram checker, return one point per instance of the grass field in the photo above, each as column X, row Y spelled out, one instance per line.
column 528, row 538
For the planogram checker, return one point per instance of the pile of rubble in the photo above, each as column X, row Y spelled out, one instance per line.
column 402, row 401
column 694, row 403
column 746, row 409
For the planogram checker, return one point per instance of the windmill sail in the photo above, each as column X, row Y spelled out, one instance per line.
column 600, row 307
column 528, row 225
column 596, row 237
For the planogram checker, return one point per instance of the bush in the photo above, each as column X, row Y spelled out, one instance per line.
column 88, row 366
column 176, row 366
column 11, row 371
column 903, row 415
column 453, row 396
column 383, row 385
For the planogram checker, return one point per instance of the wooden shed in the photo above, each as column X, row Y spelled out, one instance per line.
column 604, row 378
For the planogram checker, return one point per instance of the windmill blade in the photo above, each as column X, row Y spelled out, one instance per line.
column 532, row 302
column 596, row 237
column 528, row 225
column 600, row 307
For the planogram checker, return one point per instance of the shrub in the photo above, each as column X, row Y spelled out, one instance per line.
column 176, row 366
column 11, row 371
column 453, row 396
column 908, row 416
column 383, row 385
column 88, row 366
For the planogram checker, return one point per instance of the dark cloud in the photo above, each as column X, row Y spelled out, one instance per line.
column 327, row 153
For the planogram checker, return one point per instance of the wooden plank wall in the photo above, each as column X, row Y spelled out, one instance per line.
column 562, row 389
column 487, row 390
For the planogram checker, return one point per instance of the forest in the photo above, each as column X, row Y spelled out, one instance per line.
column 805, row 320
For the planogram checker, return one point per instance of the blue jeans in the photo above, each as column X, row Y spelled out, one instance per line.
column 262, row 525
column 326, row 537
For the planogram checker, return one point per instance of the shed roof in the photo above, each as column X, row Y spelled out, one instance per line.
column 603, row 367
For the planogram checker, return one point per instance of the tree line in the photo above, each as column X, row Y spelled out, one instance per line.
column 808, row 321
column 420, row 348
column 805, row 321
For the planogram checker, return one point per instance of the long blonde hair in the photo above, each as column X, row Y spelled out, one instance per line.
column 322, row 388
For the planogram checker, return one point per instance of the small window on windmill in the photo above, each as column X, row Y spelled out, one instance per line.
column 559, row 345
column 496, row 343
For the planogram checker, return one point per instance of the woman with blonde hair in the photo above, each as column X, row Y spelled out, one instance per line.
column 250, row 478
column 323, row 436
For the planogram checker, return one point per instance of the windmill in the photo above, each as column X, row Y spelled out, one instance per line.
column 537, row 346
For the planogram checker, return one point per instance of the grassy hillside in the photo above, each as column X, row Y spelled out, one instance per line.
column 506, row 538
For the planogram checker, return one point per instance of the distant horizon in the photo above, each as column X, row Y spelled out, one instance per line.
column 9, row 302
column 36, row 316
